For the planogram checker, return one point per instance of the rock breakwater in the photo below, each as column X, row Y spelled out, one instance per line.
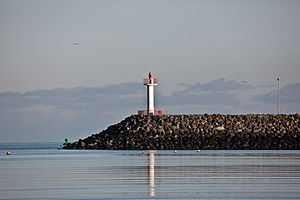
column 203, row 131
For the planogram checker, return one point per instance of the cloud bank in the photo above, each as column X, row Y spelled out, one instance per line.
column 52, row 115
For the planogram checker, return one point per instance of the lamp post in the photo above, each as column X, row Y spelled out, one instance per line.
column 278, row 97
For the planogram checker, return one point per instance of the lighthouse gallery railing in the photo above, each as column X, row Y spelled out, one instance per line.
column 156, row 112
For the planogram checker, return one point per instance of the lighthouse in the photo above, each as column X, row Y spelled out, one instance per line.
column 150, row 82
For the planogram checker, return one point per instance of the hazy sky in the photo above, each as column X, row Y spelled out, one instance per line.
column 121, row 40
column 211, row 56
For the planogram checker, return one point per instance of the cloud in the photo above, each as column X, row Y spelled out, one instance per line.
column 217, row 92
column 289, row 99
column 266, row 86
column 220, row 85
column 52, row 115
column 40, row 109
column 62, row 112
column 76, row 98
column 189, row 98
column 288, row 94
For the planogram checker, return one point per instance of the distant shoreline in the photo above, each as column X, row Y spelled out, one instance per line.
column 198, row 131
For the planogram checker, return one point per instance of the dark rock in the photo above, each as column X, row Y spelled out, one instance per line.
column 203, row 131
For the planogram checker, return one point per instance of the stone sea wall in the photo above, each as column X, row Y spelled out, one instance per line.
column 203, row 132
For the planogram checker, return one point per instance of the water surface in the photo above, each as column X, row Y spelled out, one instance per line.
column 41, row 171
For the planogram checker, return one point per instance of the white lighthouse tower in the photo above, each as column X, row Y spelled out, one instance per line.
column 150, row 83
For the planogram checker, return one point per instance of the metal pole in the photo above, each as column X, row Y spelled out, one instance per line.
column 278, row 97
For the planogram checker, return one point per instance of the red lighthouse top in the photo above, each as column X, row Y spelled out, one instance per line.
column 150, row 80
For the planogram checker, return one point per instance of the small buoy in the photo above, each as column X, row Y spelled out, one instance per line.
column 175, row 151
column 143, row 153
column 8, row 153
column 66, row 142
column 198, row 150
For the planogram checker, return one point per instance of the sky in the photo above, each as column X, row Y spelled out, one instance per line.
column 69, row 68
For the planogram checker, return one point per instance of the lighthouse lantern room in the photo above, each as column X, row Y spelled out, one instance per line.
column 150, row 83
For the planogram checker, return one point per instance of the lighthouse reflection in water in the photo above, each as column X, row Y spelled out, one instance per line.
column 151, row 171
column 84, row 174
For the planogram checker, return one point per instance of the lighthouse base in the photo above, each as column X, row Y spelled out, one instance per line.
column 155, row 112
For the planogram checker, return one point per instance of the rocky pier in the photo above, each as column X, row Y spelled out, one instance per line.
column 198, row 132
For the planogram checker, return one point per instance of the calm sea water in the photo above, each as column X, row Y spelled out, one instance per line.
column 42, row 171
